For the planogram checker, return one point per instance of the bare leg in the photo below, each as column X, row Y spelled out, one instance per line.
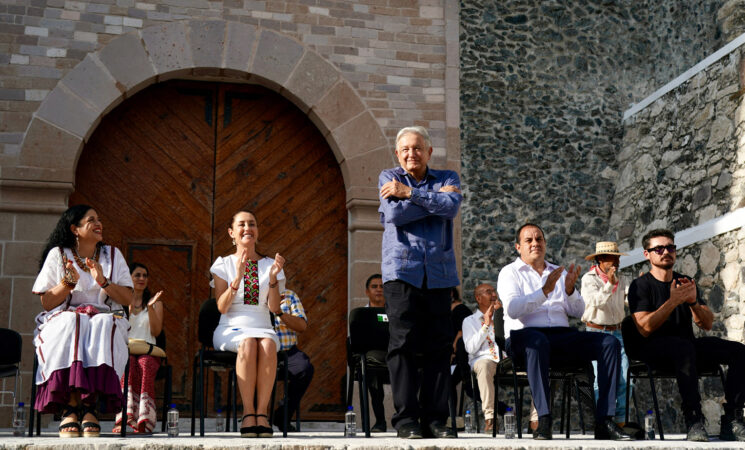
column 267, row 369
column 245, row 370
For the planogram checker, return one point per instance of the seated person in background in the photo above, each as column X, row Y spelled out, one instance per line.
column 538, row 298
column 145, row 322
column 663, row 303
column 376, row 358
column 289, row 322
column 483, row 343
column 604, row 291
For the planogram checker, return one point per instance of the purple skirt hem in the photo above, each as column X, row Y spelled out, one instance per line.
column 95, row 384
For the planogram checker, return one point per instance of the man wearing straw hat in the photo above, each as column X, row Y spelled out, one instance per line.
column 604, row 291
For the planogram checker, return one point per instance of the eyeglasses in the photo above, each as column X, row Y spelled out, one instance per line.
column 660, row 249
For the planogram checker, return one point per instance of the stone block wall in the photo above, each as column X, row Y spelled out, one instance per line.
column 543, row 89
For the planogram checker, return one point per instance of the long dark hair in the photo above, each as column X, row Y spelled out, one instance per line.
column 146, row 294
column 62, row 236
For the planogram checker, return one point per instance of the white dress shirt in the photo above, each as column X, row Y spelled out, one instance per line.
column 475, row 340
column 520, row 289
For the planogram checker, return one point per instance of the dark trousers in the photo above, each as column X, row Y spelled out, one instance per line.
column 536, row 347
column 686, row 356
column 377, row 375
column 301, row 373
column 421, row 336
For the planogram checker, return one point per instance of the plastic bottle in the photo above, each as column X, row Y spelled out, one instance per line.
column 172, row 423
column 350, row 423
column 509, row 424
column 219, row 421
column 468, row 422
column 649, row 426
column 19, row 420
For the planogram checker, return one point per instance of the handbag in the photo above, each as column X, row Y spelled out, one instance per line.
column 142, row 347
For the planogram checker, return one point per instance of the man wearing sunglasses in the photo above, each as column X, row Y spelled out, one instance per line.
column 663, row 303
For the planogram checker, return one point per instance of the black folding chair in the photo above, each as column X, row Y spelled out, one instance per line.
column 565, row 371
column 208, row 357
column 165, row 373
column 639, row 369
column 10, row 358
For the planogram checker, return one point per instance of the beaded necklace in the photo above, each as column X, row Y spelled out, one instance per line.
column 81, row 262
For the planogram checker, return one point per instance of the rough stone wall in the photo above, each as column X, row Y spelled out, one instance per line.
column 682, row 164
column 543, row 88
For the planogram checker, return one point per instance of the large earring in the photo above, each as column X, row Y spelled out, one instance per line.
column 232, row 240
column 77, row 242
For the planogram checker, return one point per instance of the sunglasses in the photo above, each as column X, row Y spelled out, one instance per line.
column 660, row 249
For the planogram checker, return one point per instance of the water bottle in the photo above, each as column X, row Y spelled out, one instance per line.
column 509, row 424
column 219, row 421
column 468, row 422
column 172, row 423
column 19, row 420
column 649, row 426
column 350, row 423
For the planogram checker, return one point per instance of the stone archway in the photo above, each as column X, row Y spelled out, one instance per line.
column 214, row 50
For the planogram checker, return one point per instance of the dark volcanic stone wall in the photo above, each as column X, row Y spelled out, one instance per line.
column 543, row 89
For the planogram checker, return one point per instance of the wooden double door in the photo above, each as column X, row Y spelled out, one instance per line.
column 166, row 171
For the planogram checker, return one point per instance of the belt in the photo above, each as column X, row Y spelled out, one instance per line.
column 603, row 327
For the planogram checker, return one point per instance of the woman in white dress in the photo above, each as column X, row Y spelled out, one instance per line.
column 247, row 287
column 81, row 336
column 145, row 323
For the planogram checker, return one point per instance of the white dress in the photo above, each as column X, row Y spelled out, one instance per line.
column 68, row 339
column 242, row 321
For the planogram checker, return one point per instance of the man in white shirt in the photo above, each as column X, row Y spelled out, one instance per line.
column 483, row 350
column 604, row 291
column 538, row 298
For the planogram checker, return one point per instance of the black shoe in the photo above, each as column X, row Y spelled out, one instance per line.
column 543, row 432
column 379, row 427
column 410, row 431
column 732, row 430
column 697, row 432
column 438, row 430
column 607, row 429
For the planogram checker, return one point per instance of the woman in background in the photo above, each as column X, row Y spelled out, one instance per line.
column 146, row 322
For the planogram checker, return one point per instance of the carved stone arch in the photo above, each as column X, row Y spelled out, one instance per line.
column 203, row 49
column 208, row 50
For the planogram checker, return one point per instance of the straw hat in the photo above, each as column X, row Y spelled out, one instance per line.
column 605, row 248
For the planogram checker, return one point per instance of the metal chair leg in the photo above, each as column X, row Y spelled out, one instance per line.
column 194, row 398
column 32, row 408
column 518, row 406
column 475, row 414
column 286, row 415
column 656, row 406
column 364, row 406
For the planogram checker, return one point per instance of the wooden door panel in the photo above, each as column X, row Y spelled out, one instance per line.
column 272, row 160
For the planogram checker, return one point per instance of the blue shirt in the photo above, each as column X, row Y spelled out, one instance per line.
column 418, row 231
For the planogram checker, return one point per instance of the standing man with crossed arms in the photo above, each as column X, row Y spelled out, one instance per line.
column 417, row 208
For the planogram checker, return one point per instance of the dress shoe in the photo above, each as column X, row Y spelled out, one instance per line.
column 438, row 430
column 379, row 427
column 543, row 432
column 488, row 425
column 732, row 430
column 607, row 429
column 697, row 432
column 410, row 431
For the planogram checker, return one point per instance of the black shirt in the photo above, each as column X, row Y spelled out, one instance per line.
column 646, row 293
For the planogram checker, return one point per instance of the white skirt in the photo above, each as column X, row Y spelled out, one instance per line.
column 234, row 328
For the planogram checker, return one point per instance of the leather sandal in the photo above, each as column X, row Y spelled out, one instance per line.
column 72, row 428
column 261, row 430
column 248, row 432
column 96, row 427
